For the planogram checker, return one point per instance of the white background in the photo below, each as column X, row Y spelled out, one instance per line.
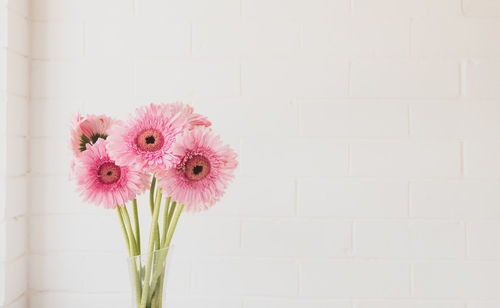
column 368, row 140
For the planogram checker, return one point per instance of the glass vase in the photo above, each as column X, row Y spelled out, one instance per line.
column 148, row 277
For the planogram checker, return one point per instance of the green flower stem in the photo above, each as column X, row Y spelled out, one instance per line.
column 133, row 243
column 152, row 195
column 130, row 253
column 165, row 221
column 157, row 257
column 151, row 206
column 170, row 216
column 173, row 225
column 136, row 223
column 158, row 274
column 158, row 270
column 137, row 279
column 124, row 230
column 152, row 238
column 157, row 230
column 155, row 302
column 160, row 288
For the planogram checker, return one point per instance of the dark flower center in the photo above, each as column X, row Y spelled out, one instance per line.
column 149, row 140
column 93, row 139
column 197, row 168
column 108, row 173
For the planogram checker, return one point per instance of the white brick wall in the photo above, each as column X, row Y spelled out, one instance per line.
column 14, row 97
column 367, row 133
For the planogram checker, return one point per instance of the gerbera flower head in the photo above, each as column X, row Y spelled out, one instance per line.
column 88, row 129
column 146, row 139
column 187, row 112
column 103, row 182
column 203, row 173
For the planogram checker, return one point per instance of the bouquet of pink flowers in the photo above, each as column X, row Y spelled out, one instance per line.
column 166, row 148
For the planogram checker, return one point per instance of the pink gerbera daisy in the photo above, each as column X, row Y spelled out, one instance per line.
column 202, row 175
column 87, row 130
column 101, row 181
column 187, row 112
column 146, row 139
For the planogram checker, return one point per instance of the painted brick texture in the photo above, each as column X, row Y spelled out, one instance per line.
column 14, row 168
column 367, row 134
